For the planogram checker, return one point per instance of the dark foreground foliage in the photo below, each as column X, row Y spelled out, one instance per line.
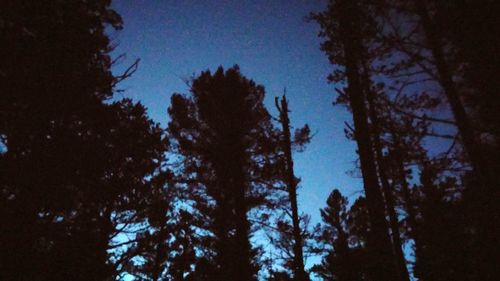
column 92, row 189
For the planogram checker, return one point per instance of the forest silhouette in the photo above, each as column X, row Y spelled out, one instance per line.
column 92, row 188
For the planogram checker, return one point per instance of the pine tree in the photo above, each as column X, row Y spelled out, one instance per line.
column 445, row 42
column 227, row 143
column 346, row 27
column 386, row 186
column 74, row 163
column 343, row 236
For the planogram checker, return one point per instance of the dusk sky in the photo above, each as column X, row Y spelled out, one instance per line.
column 90, row 190
column 272, row 43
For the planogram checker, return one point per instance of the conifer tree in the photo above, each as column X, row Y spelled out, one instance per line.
column 227, row 144
column 343, row 236
column 346, row 26
column 74, row 163
column 439, row 42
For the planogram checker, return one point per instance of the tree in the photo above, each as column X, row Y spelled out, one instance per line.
column 346, row 26
column 441, row 242
column 439, row 43
column 227, row 143
column 476, row 52
column 301, row 137
column 386, row 187
column 424, row 43
column 74, row 163
column 343, row 236
column 445, row 77
column 479, row 61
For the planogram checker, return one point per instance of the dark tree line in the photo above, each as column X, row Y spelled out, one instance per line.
column 67, row 176
column 399, row 60
column 92, row 189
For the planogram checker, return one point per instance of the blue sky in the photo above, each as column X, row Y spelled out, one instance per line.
column 276, row 47
column 273, row 45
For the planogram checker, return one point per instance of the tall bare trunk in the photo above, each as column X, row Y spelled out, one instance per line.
column 379, row 244
column 388, row 195
column 464, row 126
column 243, row 270
column 298, row 259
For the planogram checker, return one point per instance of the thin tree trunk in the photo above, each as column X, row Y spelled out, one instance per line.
column 160, row 253
column 379, row 244
column 243, row 259
column 298, row 259
column 487, row 187
column 341, row 246
column 446, row 80
column 388, row 195
column 405, row 188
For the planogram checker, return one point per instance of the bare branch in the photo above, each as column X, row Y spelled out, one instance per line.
column 127, row 73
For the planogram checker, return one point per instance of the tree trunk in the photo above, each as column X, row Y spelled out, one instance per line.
column 388, row 195
column 379, row 244
column 471, row 146
column 405, row 188
column 243, row 256
column 291, row 182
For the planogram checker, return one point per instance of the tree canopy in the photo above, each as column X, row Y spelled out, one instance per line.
column 92, row 188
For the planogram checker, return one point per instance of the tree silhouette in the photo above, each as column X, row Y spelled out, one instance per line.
column 74, row 163
column 428, row 46
column 92, row 189
column 343, row 235
column 227, row 141
column 301, row 137
column 346, row 26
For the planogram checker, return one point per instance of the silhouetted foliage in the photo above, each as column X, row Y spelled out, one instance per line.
column 92, row 189
column 416, row 55
column 74, row 164
column 227, row 143
column 343, row 236
column 348, row 29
